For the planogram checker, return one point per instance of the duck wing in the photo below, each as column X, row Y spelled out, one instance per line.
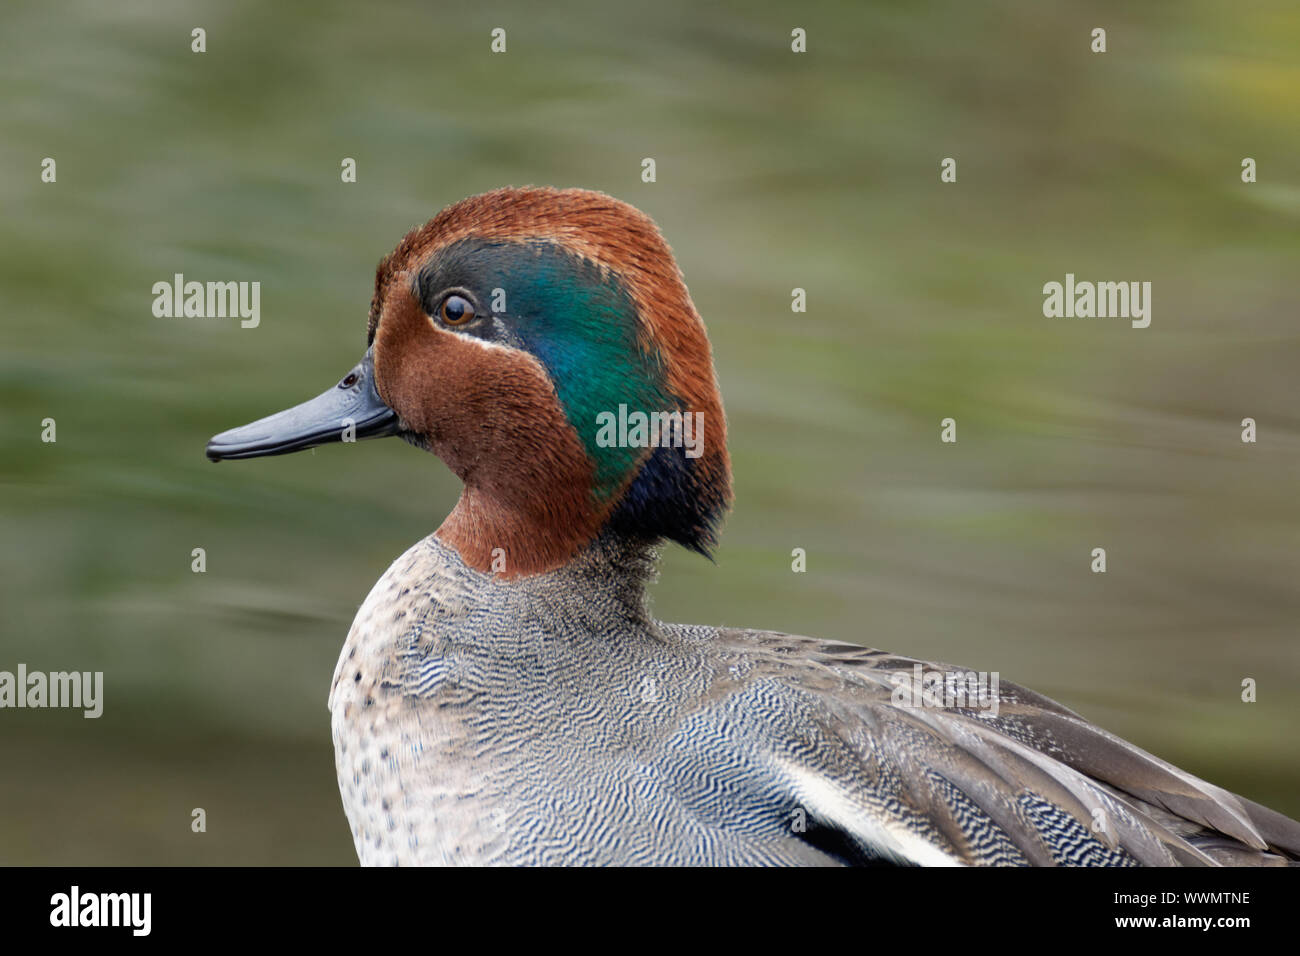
column 1010, row 779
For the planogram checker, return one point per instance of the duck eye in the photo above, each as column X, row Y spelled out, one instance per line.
column 456, row 310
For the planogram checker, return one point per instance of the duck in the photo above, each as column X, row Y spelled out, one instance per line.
column 505, row 696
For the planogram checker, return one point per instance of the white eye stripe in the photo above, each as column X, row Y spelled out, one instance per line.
column 481, row 342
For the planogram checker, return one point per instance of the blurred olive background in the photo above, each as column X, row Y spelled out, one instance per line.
column 775, row 171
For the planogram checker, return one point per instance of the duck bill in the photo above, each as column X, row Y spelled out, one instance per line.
column 350, row 411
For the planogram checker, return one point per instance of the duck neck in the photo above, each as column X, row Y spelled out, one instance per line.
column 512, row 537
column 521, row 540
column 612, row 572
column 606, row 580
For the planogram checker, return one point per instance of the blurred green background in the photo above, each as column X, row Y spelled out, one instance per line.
column 775, row 170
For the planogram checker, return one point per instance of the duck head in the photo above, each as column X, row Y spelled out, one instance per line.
column 542, row 343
